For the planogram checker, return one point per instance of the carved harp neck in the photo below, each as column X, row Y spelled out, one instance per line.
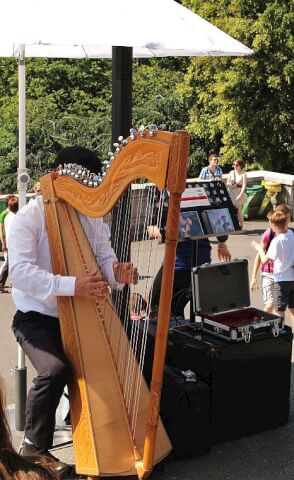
column 161, row 159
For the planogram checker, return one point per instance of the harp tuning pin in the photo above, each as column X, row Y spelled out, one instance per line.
column 152, row 129
column 124, row 142
column 133, row 132
column 162, row 126
column 120, row 138
column 142, row 130
column 112, row 158
column 117, row 147
column 110, row 154
column 97, row 179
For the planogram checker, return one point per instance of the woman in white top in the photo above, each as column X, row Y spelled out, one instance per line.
column 236, row 184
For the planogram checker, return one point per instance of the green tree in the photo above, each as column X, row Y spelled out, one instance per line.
column 69, row 102
column 244, row 106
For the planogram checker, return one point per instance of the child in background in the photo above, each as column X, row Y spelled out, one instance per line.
column 267, row 279
column 281, row 251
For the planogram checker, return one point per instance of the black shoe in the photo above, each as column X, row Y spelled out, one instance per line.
column 43, row 457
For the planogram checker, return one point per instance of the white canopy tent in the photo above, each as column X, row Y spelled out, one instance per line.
column 89, row 29
column 74, row 29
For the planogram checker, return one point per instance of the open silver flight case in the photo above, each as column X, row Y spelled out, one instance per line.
column 221, row 298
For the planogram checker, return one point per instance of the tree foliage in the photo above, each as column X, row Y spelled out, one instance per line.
column 239, row 106
column 244, row 106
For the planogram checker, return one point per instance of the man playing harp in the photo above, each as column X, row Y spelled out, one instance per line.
column 35, row 291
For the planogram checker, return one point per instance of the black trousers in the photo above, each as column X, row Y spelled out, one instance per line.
column 39, row 336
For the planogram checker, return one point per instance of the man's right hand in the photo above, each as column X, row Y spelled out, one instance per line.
column 91, row 286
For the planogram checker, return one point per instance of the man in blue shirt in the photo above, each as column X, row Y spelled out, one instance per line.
column 212, row 171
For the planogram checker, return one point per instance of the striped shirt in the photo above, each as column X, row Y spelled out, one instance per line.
column 206, row 174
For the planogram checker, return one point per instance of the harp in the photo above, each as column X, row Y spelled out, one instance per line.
column 107, row 441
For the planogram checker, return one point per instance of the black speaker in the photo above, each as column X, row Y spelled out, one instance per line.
column 249, row 382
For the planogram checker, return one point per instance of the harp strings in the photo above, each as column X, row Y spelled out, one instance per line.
column 135, row 245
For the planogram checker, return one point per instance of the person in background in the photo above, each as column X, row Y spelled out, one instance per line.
column 281, row 252
column 183, row 265
column 12, row 210
column 236, row 185
column 35, row 291
column 3, row 238
column 37, row 189
column 12, row 465
column 212, row 171
column 267, row 278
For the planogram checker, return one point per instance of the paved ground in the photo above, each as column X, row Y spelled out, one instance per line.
column 266, row 456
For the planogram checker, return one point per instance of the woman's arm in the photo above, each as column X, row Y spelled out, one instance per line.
column 244, row 183
column 256, row 265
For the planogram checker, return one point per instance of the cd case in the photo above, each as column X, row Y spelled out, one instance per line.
column 218, row 221
column 190, row 225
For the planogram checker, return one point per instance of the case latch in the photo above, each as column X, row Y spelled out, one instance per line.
column 276, row 328
column 246, row 334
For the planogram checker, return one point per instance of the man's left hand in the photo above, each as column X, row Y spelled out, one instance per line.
column 223, row 252
column 125, row 272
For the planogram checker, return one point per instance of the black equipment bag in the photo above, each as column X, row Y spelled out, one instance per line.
column 249, row 383
column 185, row 412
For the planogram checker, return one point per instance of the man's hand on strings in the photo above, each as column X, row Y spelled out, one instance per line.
column 125, row 272
column 91, row 285
column 223, row 252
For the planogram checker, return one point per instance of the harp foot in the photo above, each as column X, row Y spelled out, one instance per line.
column 142, row 472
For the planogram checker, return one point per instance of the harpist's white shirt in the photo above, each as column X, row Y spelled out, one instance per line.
column 35, row 287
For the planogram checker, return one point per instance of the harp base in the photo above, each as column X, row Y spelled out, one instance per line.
column 142, row 472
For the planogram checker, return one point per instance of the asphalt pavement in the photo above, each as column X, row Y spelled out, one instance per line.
column 264, row 456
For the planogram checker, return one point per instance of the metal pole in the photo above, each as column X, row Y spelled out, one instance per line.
column 23, row 179
column 122, row 58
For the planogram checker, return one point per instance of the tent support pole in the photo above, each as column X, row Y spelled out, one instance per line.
column 23, row 178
